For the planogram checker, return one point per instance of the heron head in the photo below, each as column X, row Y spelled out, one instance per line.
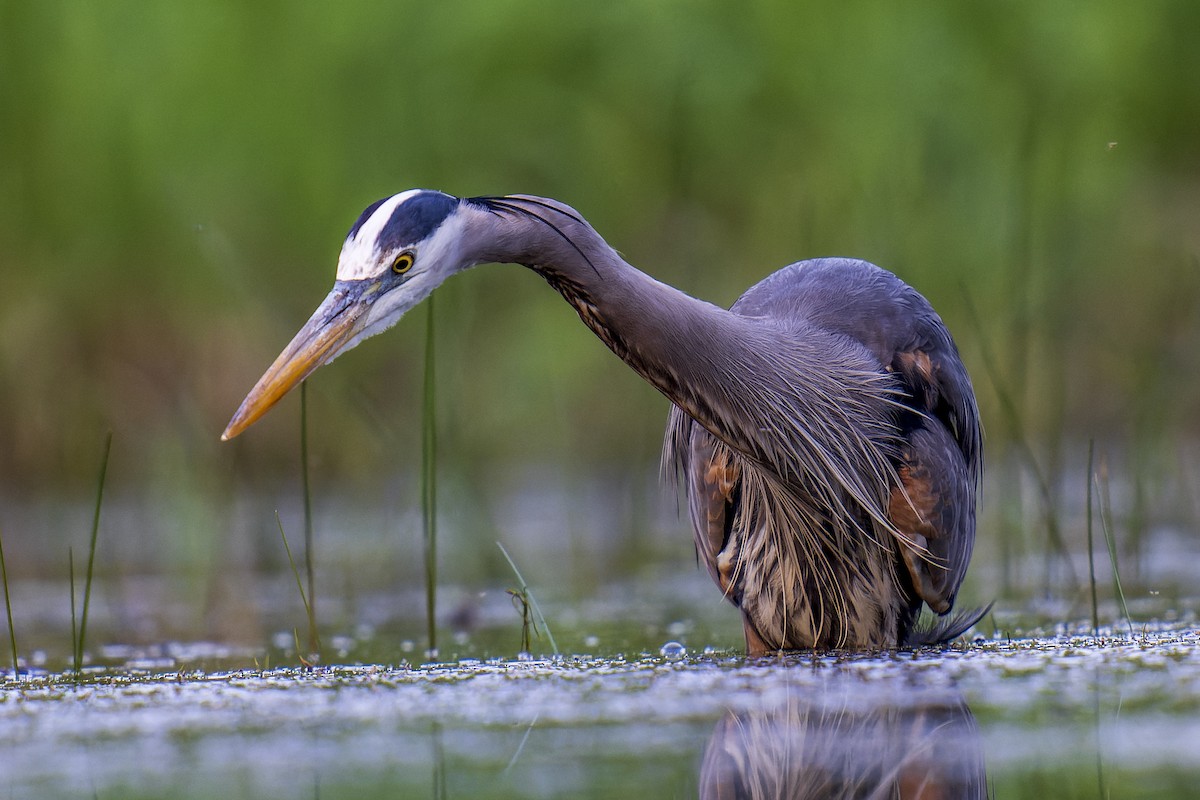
column 399, row 250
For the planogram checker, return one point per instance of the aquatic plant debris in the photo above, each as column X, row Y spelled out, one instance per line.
column 1027, row 694
column 584, row 689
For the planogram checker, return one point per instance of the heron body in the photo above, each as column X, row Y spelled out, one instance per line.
column 824, row 427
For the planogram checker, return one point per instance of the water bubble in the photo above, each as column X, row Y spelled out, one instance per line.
column 591, row 641
column 672, row 651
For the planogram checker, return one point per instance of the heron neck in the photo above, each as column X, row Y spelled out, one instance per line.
column 701, row 357
column 762, row 387
column 681, row 345
column 745, row 379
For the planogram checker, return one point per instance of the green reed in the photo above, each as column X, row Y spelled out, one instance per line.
column 1091, row 554
column 76, row 650
column 1106, row 524
column 91, row 562
column 526, row 602
column 12, row 632
column 314, row 637
column 429, row 479
column 314, row 643
column 521, row 603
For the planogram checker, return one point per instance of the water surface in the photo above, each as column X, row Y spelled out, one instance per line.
column 1074, row 715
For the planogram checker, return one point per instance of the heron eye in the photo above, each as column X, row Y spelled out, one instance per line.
column 403, row 263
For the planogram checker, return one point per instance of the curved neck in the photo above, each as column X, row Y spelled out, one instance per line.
column 652, row 327
column 755, row 386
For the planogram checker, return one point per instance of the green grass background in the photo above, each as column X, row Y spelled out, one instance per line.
column 176, row 179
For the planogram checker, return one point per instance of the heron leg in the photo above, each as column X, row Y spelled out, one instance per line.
column 755, row 646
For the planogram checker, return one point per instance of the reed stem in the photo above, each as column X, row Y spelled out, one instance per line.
column 1091, row 554
column 1106, row 524
column 91, row 562
column 12, row 633
column 526, row 595
column 313, row 637
column 76, row 650
column 314, row 642
column 429, row 479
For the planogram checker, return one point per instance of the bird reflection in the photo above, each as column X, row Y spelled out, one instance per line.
column 816, row 744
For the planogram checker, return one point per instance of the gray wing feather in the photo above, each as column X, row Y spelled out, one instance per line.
column 942, row 452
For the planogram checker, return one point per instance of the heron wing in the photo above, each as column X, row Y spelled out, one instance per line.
column 933, row 508
column 891, row 319
column 939, row 463
column 939, row 388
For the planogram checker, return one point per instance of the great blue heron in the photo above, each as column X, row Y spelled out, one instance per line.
column 824, row 427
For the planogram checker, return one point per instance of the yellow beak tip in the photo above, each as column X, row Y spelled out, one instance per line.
column 323, row 334
column 237, row 425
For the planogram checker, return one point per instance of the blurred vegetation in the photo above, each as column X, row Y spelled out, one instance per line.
column 176, row 179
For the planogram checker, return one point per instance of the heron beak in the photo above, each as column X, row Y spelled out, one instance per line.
column 331, row 326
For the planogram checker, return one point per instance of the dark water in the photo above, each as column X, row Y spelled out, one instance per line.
column 196, row 687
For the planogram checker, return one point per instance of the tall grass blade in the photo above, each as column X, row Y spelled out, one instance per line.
column 429, row 479
column 12, row 632
column 1091, row 552
column 1110, row 539
column 314, row 643
column 91, row 562
column 76, row 650
column 313, row 636
column 524, row 590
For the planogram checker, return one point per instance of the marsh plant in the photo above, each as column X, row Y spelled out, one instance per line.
column 12, row 632
column 314, row 637
column 79, row 627
column 526, row 605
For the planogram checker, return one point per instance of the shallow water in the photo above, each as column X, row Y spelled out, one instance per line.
column 196, row 688
column 1067, row 716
